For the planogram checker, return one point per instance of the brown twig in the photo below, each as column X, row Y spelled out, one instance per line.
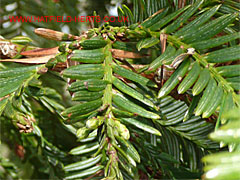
column 97, row 173
column 40, row 52
column 116, row 53
column 33, row 60
column 163, row 39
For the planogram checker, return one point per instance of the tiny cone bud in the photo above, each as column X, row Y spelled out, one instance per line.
column 54, row 35
column 92, row 123
column 122, row 130
column 82, row 132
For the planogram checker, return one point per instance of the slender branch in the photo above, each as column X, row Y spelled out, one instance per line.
column 204, row 63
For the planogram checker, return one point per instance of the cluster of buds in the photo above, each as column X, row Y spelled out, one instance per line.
column 136, row 32
column 107, row 31
column 25, row 126
column 91, row 124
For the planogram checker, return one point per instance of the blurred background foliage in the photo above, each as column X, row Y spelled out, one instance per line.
column 51, row 8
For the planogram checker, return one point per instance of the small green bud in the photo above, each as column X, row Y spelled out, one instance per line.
column 62, row 57
column 115, row 29
column 111, row 36
column 74, row 45
column 121, row 30
column 62, row 47
column 122, row 130
column 93, row 123
column 51, row 63
column 82, row 132
column 133, row 26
